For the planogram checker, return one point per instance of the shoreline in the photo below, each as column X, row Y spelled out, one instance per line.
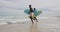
column 44, row 25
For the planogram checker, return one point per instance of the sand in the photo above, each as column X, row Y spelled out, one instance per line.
column 52, row 24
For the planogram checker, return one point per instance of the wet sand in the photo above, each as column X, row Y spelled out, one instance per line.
column 52, row 24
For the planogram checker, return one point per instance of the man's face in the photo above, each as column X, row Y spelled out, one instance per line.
column 30, row 6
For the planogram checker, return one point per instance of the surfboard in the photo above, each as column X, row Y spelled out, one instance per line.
column 36, row 12
column 27, row 11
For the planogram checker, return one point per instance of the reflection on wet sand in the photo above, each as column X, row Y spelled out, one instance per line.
column 34, row 27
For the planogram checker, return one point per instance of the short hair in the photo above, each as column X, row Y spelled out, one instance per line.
column 29, row 5
column 34, row 8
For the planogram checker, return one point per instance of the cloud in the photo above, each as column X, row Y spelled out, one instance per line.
column 10, row 7
column 10, row 4
column 43, row 3
column 25, row 3
column 14, row 6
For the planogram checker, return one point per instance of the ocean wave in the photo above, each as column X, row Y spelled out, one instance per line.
column 3, row 23
column 14, row 20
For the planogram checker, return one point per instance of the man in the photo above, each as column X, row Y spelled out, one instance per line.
column 32, row 16
column 31, row 13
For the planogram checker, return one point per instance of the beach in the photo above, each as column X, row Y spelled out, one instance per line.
column 14, row 19
column 52, row 24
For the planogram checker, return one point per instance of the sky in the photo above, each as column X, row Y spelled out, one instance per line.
column 16, row 7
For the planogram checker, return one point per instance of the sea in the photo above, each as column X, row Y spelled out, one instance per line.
column 24, row 17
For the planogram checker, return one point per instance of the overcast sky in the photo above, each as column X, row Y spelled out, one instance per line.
column 12, row 7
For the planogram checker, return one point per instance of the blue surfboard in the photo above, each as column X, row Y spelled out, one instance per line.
column 27, row 11
column 36, row 12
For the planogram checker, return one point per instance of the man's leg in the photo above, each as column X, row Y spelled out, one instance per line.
column 31, row 19
column 36, row 19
